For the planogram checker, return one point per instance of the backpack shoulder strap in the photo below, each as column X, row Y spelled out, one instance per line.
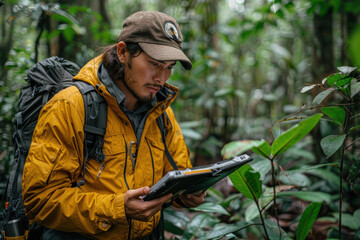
column 95, row 124
column 161, row 123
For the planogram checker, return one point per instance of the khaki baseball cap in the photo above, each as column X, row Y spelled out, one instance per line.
column 157, row 34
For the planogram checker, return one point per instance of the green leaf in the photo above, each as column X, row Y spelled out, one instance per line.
column 308, row 196
column 307, row 220
column 237, row 147
column 175, row 221
column 275, row 232
column 332, row 79
column 294, row 134
column 197, row 223
column 355, row 88
column 335, row 113
column 221, row 230
column 330, row 144
column 298, row 179
column 251, row 212
column 247, row 181
column 262, row 148
column 321, row 96
column 307, row 169
column 343, row 81
column 263, row 166
column 212, row 208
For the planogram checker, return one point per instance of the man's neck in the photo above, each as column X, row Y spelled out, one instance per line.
column 131, row 102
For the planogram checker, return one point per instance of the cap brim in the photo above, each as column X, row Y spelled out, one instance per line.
column 166, row 53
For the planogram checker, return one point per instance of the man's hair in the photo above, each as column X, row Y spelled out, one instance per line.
column 111, row 61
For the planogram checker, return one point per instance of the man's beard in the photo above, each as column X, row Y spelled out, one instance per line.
column 146, row 99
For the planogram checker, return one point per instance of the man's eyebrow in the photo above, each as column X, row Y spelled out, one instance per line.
column 164, row 62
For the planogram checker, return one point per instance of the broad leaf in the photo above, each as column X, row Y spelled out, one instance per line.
column 197, row 223
column 308, row 196
column 212, row 208
column 275, row 232
column 175, row 221
column 262, row 148
column 346, row 69
column 335, row 113
column 236, row 148
column 321, row 96
column 221, row 230
column 251, row 212
column 298, row 179
column 307, row 88
column 333, row 79
column 307, row 220
column 294, row 134
column 247, row 181
column 331, row 144
column 355, row 88
column 307, row 169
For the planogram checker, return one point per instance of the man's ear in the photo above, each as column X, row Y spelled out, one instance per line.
column 121, row 51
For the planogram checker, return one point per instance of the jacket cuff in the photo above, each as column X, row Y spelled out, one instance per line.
column 120, row 214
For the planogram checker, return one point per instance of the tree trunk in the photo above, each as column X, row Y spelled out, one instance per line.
column 323, row 62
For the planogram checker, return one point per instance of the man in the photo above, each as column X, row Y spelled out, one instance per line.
column 131, row 75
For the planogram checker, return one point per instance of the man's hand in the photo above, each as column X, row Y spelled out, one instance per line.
column 193, row 200
column 136, row 208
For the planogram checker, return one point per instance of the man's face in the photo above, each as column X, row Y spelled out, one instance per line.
column 145, row 76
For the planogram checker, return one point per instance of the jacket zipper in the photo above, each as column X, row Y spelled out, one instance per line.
column 127, row 185
column 152, row 162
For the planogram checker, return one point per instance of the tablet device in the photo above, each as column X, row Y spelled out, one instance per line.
column 195, row 180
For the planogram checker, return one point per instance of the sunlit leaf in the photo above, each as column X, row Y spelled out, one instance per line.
column 335, row 113
column 307, row 196
column 211, row 207
column 346, row 69
column 307, row 88
column 330, row 144
column 321, row 96
column 294, row 134
column 307, row 220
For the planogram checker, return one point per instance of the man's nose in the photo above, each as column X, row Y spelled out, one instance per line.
column 160, row 76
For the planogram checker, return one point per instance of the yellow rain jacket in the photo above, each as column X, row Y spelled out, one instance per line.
column 55, row 161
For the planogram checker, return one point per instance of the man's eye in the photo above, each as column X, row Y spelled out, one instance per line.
column 154, row 64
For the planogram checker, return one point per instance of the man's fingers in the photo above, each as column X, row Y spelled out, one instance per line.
column 136, row 193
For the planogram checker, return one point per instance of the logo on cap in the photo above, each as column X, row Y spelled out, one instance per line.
column 171, row 31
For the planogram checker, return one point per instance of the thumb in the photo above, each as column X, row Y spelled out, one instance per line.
column 139, row 192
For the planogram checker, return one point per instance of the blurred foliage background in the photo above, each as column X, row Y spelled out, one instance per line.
column 250, row 61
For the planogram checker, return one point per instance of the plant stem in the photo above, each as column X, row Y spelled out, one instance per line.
column 262, row 220
column 341, row 187
column 346, row 123
column 274, row 195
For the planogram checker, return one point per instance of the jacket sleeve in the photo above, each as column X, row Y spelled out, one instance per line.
column 176, row 143
column 54, row 162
